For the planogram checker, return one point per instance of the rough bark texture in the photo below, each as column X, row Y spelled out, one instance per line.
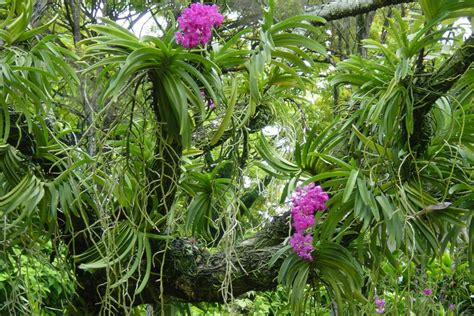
column 448, row 74
column 364, row 23
column 39, row 9
column 339, row 10
column 194, row 275
column 73, row 12
column 251, row 12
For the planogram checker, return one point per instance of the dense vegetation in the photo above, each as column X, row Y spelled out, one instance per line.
column 139, row 176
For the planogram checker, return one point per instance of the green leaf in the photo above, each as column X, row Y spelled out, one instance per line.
column 33, row 32
column 228, row 114
column 350, row 185
column 278, row 254
column 289, row 23
column 285, row 39
column 149, row 258
column 275, row 160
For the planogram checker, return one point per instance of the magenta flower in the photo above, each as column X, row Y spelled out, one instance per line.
column 380, row 305
column 452, row 307
column 210, row 103
column 301, row 222
column 302, row 245
column 196, row 23
column 305, row 202
column 427, row 291
column 309, row 199
column 379, row 302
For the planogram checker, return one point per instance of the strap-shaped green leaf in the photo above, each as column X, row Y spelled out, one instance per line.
column 228, row 114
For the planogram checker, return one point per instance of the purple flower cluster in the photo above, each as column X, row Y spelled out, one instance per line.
column 428, row 291
column 196, row 23
column 380, row 305
column 305, row 202
column 210, row 103
column 303, row 245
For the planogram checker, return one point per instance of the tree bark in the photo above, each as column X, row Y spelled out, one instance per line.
column 338, row 10
column 40, row 7
column 435, row 87
column 194, row 275
column 73, row 12
column 449, row 73
column 363, row 26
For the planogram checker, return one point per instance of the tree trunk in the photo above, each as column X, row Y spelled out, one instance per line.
column 363, row 25
column 38, row 10
column 435, row 87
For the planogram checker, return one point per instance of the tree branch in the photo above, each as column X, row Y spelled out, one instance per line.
column 195, row 275
column 338, row 10
column 39, row 9
column 450, row 71
column 436, row 86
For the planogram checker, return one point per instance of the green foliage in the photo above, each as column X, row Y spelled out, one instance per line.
column 35, row 278
column 211, row 192
column 384, row 195
column 403, row 287
column 433, row 9
column 33, row 202
column 176, row 79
